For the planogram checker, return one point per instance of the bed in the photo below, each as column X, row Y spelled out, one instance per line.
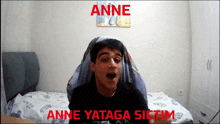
column 21, row 76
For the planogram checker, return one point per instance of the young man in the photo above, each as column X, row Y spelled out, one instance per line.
column 105, row 98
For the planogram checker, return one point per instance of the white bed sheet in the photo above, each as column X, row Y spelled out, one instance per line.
column 36, row 105
column 160, row 101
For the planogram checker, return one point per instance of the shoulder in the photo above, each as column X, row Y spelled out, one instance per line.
column 83, row 89
column 79, row 95
column 137, row 98
column 128, row 88
column 82, row 92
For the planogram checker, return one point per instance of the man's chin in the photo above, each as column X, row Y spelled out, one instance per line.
column 111, row 87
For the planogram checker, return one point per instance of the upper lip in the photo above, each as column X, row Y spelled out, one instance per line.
column 112, row 73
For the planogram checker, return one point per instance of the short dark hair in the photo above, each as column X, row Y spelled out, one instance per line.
column 110, row 43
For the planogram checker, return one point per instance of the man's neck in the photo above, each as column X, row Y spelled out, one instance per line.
column 104, row 91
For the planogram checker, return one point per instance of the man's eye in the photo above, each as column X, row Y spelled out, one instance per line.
column 104, row 60
column 117, row 60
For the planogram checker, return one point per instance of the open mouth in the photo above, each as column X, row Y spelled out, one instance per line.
column 111, row 75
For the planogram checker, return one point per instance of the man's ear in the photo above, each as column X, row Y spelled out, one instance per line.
column 92, row 66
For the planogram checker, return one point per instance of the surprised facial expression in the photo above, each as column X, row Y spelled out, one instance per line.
column 107, row 68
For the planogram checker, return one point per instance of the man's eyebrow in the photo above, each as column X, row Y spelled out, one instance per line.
column 118, row 54
column 103, row 54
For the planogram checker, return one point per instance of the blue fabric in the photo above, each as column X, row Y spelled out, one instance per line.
column 83, row 73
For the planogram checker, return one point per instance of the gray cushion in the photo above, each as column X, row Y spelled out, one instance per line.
column 20, row 72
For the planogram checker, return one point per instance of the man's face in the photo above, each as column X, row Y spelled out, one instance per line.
column 107, row 68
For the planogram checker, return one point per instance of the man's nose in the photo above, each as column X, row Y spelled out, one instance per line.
column 112, row 63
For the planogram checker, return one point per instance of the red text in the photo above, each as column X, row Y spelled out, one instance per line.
column 145, row 114
column 112, row 9
column 64, row 114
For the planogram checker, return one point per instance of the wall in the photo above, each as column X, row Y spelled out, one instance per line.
column 165, row 44
column 15, row 26
column 159, row 40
